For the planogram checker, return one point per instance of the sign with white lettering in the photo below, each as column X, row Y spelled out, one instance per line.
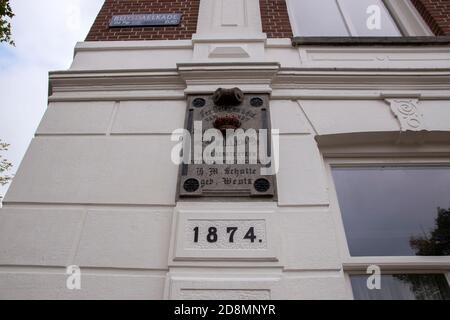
column 145, row 20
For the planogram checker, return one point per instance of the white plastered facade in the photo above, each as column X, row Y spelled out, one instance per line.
column 97, row 187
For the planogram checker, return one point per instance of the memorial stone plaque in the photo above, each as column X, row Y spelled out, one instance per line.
column 236, row 127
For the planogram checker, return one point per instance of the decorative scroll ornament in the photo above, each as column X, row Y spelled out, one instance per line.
column 408, row 114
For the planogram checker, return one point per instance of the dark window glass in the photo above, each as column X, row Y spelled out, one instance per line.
column 395, row 211
column 403, row 287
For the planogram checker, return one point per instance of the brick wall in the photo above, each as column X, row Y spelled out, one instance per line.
column 275, row 18
column 100, row 30
column 436, row 13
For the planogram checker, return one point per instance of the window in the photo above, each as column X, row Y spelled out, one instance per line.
column 403, row 287
column 342, row 18
column 395, row 211
column 395, row 215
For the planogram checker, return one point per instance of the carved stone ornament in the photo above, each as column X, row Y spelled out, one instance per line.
column 228, row 97
column 408, row 114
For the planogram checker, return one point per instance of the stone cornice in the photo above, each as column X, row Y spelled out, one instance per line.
column 251, row 77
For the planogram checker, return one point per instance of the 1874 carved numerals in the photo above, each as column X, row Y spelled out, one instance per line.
column 212, row 235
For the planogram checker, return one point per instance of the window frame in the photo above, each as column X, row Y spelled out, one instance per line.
column 388, row 264
column 403, row 12
column 348, row 274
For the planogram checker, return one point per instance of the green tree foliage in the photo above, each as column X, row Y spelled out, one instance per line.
column 5, row 166
column 6, row 15
column 437, row 243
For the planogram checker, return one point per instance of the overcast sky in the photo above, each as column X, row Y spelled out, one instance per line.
column 45, row 33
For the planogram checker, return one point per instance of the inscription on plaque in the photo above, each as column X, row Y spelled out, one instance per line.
column 228, row 151
column 145, row 20
column 226, row 234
